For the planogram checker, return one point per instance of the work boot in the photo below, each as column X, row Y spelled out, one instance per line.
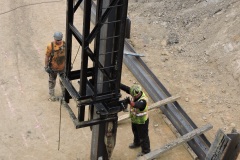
column 133, row 145
column 141, row 154
column 52, row 98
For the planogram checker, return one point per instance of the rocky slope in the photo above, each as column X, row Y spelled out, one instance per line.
column 193, row 48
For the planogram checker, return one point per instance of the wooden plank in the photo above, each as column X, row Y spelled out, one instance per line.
column 157, row 152
column 163, row 102
column 153, row 106
column 174, row 130
column 123, row 117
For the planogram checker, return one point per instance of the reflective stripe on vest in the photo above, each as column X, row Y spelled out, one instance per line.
column 141, row 114
column 133, row 110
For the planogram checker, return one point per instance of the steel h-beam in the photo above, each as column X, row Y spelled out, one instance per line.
column 84, row 64
column 99, row 85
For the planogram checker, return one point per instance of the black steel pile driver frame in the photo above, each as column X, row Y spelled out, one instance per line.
column 99, row 85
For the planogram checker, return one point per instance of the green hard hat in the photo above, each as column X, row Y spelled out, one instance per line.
column 58, row 36
column 135, row 90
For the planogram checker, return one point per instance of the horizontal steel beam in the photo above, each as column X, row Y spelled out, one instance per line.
column 91, row 122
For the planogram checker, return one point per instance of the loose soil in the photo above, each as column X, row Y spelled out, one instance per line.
column 191, row 46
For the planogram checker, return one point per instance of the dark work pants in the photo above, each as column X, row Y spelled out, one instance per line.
column 140, row 132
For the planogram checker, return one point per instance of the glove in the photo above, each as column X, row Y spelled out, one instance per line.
column 127, row 99
column 125, row 102
column 48, row 70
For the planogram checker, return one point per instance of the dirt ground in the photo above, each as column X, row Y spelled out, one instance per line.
column 191, row 46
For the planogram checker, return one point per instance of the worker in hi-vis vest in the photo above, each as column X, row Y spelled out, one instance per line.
column 139, row 118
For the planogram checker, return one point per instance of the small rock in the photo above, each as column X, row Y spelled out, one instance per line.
column 165, row 59
column 204, row 118
column 233, row 125
column 172, row 39
column 225, row 128
column 187, row 99
column 210, row 111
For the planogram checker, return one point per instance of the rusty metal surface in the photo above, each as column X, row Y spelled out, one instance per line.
column 224, row 147
column 218, row 147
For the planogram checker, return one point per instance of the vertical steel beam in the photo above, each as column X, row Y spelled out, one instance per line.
column 84, row 58
column 98, row 131
column 109, row 42
column 69, row 21
column 119, row 43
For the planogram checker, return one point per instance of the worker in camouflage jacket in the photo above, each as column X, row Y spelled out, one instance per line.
column 55, row 62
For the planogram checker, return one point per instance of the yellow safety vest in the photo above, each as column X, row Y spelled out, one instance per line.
column 137, row 116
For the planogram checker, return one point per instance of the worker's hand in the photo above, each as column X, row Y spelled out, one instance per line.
column 125, row 103
column 48, row 70
column 132, row 103
column 128, row 100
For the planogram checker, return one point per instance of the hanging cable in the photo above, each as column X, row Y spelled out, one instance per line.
column 75, row 57
column 61, row 100
column 60, row 118
column 28, row 5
